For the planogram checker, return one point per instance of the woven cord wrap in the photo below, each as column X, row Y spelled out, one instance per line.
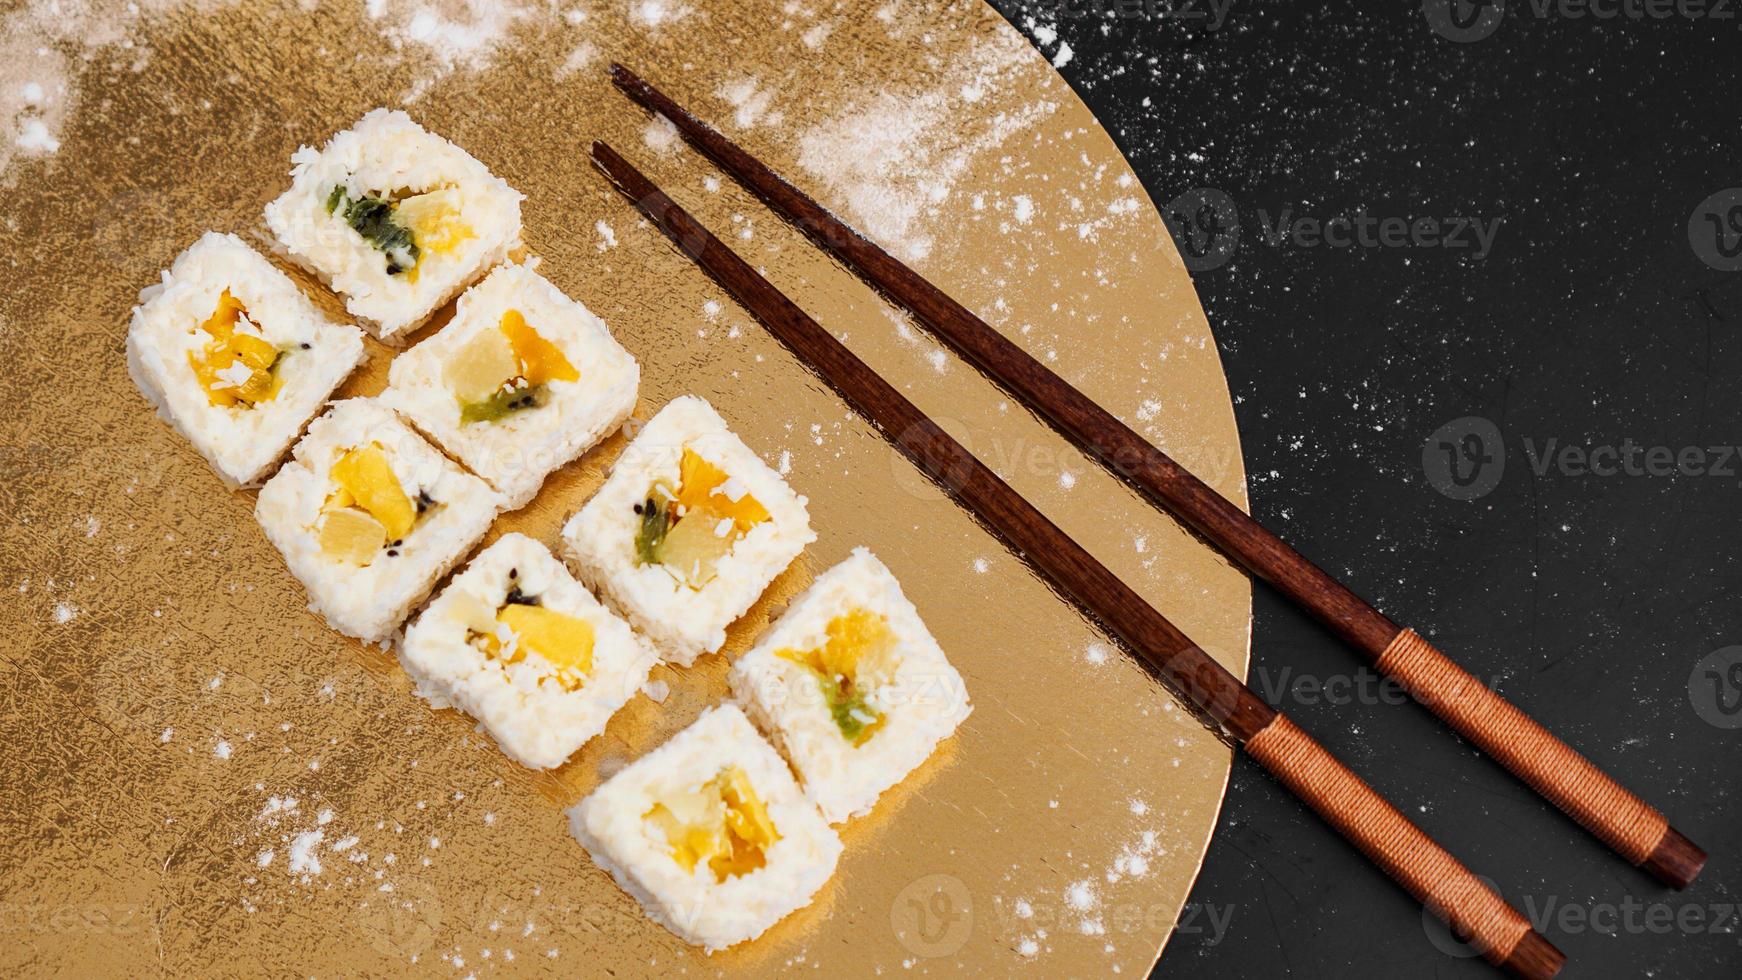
column 1569, row 781
column 1436, row 879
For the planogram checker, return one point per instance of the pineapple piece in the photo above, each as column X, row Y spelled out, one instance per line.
column 480, row 368
column 565, row 641
column 704, row 486
column 435, row 220
column 540, row 360
column 365, row 474
column 694, row 546
column 352, row 536
column 724, row 823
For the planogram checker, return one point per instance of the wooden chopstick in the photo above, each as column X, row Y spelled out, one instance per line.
column 1616, row 816
column 1385, row 835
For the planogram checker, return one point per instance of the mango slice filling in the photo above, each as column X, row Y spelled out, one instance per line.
column 722, row 824
column 503, row 371
column 367, row 510
column 237, row 366
column 690, row 528
column 859, row 649
column 522, row 626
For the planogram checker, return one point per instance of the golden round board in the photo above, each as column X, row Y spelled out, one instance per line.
column 203, row 779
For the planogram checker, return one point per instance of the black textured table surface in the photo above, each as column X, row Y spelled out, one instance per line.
column 1482, row 320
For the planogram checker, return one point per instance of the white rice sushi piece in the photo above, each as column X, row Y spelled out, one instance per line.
column 521, row 381
column 515, row 642
column 395, row 219
column 710, row 833
column 368, row 516
column 688, row 531
column 235, row 357
column 851, row 686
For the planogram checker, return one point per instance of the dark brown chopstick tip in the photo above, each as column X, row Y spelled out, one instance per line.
column 1534, row 958
column 1675, row 861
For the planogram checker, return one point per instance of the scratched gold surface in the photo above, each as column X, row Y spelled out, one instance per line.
column 148, row 622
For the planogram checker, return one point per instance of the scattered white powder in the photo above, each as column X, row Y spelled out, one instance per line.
column 750, row 102
column 1024, row 910
column 222, row 749
column 324, row 817
column 64, row 612
column 168, row 733
column 816, row 35
column 449, row 35
column 607, row 235
column 660, row 134
column 785, row 465
column 264, row 858
column 1096, row 654
column 1024, row 208
column 1028, row 947
column 302, row 852
column 344, row 844
column 892, row 159
column 1081, row 896
column 579, row 59
column 1067, row 479
column 35, row 138
column 277, row 807
column 982, row 566
column 1063, row 56
column 711, row 309
column 655, row 13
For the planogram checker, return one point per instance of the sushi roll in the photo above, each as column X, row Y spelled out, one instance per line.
column 396, row 219
column 235, row 357
column 521, row 381
column 852, row 687
column 710, row 833
column 515, row 642
column 369, row 516
column 688, row 530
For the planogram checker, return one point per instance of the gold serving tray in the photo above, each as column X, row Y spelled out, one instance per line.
column 164, row 692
